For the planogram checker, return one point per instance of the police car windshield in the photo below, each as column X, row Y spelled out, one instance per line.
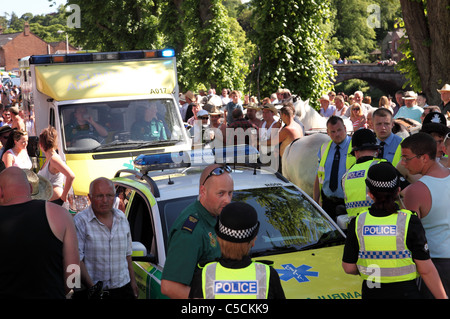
column 120, row 125
column 289, row 221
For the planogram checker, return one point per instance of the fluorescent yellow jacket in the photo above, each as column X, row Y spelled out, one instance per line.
column 325, row 148
column 383, row 254
column 251, row 282
column 354, row 186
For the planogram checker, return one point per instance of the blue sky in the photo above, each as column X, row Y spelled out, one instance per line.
column 34, row 6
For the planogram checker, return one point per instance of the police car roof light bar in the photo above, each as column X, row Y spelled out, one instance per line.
column 239, row 154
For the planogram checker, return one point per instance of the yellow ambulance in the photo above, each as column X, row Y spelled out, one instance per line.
column 107, row 107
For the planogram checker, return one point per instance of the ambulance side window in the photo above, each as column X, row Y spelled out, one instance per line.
column 140, row 220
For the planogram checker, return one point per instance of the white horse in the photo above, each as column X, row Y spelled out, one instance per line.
column 312, row 120
column 299, row 162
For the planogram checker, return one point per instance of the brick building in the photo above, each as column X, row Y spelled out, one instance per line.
column 14, row 46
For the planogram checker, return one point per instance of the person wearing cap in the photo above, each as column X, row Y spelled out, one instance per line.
column 38, row 231
column 387, row 245
column 445, row 98
column 252, row 110
column 429, row 197
column 199, row 128
column 365, row 149
column 390, row 143
column 234, row 275
column 217, row 126
column 334, row 160
column 326, row 109
column 192, row 238
column 410, row 110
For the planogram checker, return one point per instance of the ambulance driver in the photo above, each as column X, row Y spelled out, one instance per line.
column 235, row 275
column 387, row 245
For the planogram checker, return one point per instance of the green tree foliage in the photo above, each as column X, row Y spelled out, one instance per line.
column 291, row 45
column 117, row 25
column 208, row 48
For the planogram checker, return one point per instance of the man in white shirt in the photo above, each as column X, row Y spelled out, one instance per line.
column 104, row 244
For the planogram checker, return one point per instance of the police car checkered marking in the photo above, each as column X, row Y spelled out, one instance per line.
column 384, row 254
column 363, row 203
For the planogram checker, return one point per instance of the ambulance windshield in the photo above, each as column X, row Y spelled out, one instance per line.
column 120, row 125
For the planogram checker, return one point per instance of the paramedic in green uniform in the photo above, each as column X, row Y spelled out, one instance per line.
column 192, row 238
column 149, row 128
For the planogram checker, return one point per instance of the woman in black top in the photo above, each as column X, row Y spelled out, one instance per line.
column 383, row 183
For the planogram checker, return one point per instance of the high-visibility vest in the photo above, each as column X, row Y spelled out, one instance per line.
column 251, row 282
column 397, row 155
column 383, row 255
column 325, row 148
column 354, row 186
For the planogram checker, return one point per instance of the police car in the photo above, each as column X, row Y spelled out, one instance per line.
column 304, row 244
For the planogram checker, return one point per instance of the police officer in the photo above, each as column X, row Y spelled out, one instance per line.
column 383, row 123
column 235, row 275
column 334, row 160
column 387, row 245
column 192, row 237
column 365, row 150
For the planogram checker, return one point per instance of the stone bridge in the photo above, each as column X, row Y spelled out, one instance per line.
column 384, row 77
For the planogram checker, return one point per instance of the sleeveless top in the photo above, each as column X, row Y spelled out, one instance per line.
column 265, row 134
column 22, row 162
column 437, row 221
column 32, row 266
column 56, row 179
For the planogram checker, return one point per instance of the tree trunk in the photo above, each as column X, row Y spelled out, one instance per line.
column 429, row 39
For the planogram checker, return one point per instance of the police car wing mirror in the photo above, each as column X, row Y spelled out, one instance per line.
column 139, row 253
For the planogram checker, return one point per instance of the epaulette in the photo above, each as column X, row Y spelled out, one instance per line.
column 190, row 223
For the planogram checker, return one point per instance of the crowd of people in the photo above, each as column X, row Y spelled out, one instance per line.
column 367, row 182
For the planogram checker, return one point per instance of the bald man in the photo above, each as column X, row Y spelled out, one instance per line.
column 38, row 240
column 192, row 238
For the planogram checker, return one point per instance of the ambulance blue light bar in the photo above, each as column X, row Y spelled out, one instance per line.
column 101, row 56
column 239, row 154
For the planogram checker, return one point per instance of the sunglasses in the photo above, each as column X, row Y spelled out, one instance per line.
column 356, row 109
column 217, row 172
